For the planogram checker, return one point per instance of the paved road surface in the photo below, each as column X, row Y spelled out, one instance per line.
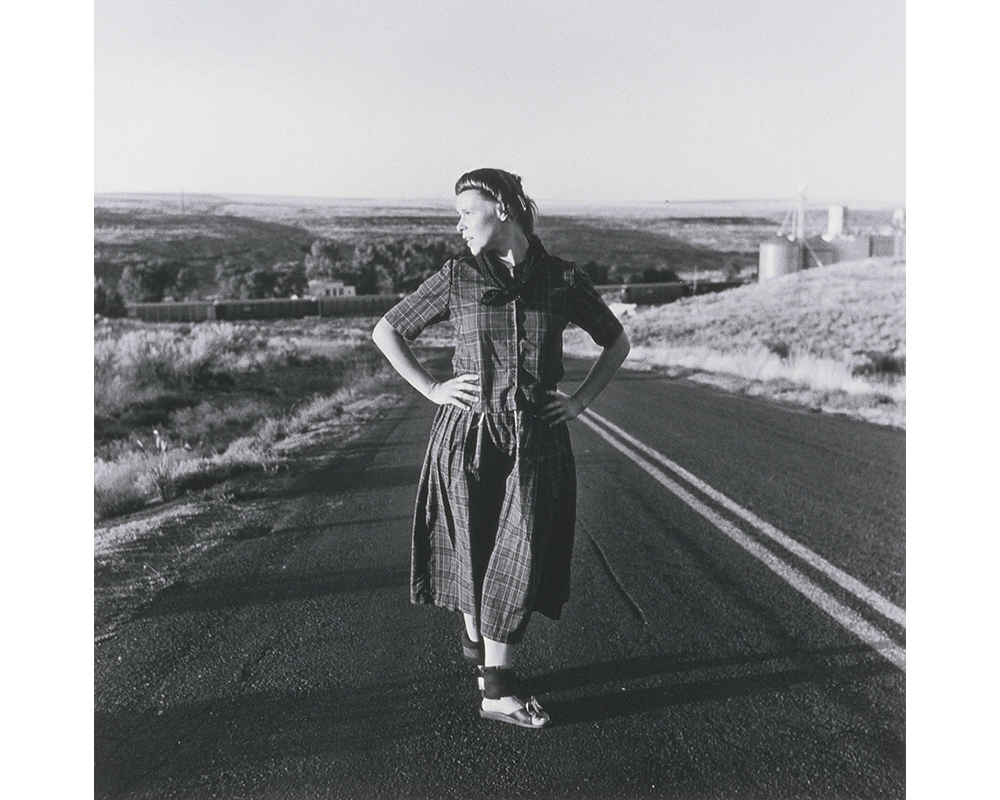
column 699, row 657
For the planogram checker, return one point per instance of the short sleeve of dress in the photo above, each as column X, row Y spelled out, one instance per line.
column 428, row 305
column 587, row 308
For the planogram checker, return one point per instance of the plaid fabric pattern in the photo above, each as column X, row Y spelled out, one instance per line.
column 496, row 504
column 497, row 541
column 514, row 348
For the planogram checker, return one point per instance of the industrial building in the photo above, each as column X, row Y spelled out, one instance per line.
column 796, row 251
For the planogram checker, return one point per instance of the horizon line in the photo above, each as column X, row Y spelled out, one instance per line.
column 548, row 200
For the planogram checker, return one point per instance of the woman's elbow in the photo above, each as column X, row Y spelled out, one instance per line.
column 380, row 331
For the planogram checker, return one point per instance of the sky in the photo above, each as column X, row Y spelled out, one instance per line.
column 597, row 102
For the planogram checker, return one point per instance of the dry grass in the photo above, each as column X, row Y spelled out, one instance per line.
column 833, row 339
column 180, row 408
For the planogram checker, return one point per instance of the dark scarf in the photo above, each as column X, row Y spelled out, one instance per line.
column 504, row 288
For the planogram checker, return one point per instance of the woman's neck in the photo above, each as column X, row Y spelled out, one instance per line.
column 515, row 249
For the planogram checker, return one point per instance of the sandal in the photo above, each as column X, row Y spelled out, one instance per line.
column 502, row 682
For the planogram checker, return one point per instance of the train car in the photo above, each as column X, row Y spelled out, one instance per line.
column 277, row 308
column 364, row 305
column 171, row 312
column 368, row 305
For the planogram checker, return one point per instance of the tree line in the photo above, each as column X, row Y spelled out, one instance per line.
column 382, row 266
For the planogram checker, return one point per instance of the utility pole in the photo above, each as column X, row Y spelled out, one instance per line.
column 899, row 230
column 800, row 227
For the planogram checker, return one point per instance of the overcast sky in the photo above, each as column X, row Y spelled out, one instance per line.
column 599, row 102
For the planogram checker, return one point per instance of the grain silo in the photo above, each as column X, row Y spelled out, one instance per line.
column 779, row 257
column 836, row 221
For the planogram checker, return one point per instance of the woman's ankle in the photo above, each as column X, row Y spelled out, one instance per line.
column 471, row 628
column 499, row 654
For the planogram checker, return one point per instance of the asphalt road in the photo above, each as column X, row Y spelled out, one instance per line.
column 699, row 656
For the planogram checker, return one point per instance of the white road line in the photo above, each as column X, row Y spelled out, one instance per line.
column 881, row 604
column 877, row 639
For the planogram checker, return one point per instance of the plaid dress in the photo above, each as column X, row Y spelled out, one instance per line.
column 496, row 503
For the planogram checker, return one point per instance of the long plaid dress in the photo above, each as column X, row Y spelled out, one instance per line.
column 496, row 504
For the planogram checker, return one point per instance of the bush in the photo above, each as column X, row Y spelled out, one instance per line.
column 248, row 278
column 149, row 281
column 661, row 275
column 107, row 302
column 116, row 485
column 135, row 479
column 778, row 347
column 597, row 272
column 175, row 359
column 220, row 395
column 878, row 363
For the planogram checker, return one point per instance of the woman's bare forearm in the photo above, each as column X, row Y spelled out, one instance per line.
column 461, row 391
column 395, row 348
column 603, row 370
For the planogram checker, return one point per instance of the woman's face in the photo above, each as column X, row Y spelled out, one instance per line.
column 479, row 221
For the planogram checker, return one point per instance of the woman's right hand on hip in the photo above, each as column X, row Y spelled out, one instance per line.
column 461, row 391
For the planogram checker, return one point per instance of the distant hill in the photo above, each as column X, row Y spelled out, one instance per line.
column 623, row 243
column 197, row 240
column 639, row 245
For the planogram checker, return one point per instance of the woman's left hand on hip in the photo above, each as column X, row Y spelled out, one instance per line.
column 561, row 408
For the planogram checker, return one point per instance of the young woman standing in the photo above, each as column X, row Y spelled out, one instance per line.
column 496, row 503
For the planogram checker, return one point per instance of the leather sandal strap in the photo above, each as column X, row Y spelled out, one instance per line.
column 499, row 682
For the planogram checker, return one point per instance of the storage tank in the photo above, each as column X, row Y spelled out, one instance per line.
column 835, row 221
column 778, row 257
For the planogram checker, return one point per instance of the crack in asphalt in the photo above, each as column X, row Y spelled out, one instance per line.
column 619, row 586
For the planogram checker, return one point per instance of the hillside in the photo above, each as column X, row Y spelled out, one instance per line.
column 832, row 339
column 643, row 244
column 197, row 240
column 206, row 229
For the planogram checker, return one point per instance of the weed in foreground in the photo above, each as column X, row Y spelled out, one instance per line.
column 170, row 377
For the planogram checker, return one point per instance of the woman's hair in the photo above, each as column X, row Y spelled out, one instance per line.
column 505, row 188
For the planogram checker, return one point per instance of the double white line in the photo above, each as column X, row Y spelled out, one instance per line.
column 645, row 457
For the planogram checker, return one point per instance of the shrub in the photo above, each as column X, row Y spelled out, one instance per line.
column 659, row 275
column 194, row 383
column 138, row 478
column 107, row 302
column 877, row 363
column 596, row 271
column 778, row 347
column 116, row 485
column 172, row 359
column 149, row 281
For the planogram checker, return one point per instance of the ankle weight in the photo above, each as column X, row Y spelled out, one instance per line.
column 499, row 682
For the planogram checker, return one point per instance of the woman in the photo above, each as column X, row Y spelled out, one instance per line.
column 496, row 504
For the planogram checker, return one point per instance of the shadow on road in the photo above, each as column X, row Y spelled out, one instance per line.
column 211, row 739
column 220, row 593
column 351, row 471
column 748, row 675
column 201, row 744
